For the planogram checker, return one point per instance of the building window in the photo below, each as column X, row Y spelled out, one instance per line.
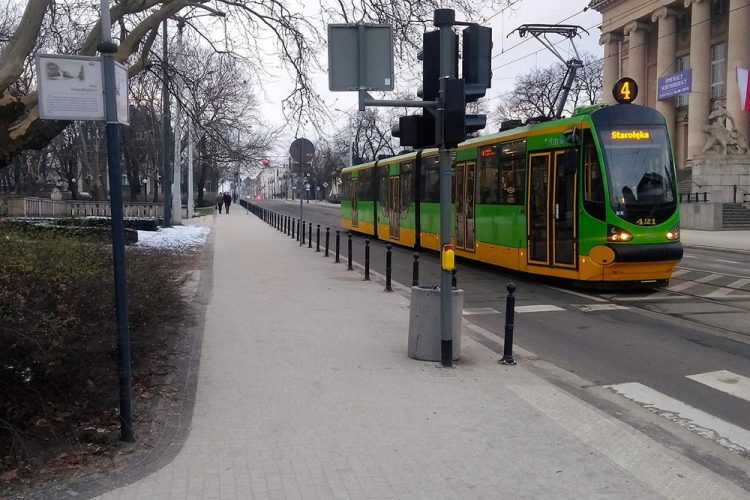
column 683, row 22
column 718, row 70
column 683, row 63
column 719, row 8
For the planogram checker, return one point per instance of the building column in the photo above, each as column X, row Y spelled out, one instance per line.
column 611, row 69
column 666, row 62
column 738, row 55
column 636, row 32
column 699, row 102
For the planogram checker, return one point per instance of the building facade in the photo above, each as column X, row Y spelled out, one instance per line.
column 649, row 40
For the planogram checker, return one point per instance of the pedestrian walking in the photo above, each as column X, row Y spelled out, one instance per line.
column 219, row 201
column 227, row 200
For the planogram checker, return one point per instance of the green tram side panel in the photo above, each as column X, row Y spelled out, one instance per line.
column 501, row 225
column 364, row 211
column 346, row 209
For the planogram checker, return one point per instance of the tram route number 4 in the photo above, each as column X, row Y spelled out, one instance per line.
column 625, row 90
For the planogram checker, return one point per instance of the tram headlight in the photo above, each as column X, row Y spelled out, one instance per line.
column 616, row 234
column 674, row 233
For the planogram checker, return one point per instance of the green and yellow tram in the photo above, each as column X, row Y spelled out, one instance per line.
column 591, row 197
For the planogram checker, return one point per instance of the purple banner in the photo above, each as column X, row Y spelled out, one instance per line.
column 673, row 85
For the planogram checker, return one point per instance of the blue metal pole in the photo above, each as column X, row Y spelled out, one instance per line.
column 108, row 49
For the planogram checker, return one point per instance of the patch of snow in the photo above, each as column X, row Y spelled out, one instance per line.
column 173, row 238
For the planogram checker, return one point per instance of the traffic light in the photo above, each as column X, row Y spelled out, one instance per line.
column 477, row 59
column 418, row 131
column 476, row 71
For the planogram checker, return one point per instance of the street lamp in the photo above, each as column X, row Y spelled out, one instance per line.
column 145, row 190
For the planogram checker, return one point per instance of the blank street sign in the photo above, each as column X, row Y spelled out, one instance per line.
column 353, row 48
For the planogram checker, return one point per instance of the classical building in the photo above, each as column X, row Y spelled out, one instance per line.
column 693, row 47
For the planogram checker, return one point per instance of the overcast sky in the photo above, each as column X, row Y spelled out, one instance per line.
column 512, row 56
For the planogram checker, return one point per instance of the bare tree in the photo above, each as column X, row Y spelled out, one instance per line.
column 73, row 27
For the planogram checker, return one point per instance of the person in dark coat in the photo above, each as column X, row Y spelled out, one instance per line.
column 219, row 201
column 227, row 200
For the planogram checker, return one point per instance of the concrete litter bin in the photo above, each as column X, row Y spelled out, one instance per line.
column 424, row 323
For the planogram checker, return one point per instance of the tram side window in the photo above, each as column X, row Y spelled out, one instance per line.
column 407, row 186
column 383, row 188
column 365, row 185
column 502, row 170
column 512, row 172
column 346, row 186
column 430, row 180
column 593, row 185
column 489, row 175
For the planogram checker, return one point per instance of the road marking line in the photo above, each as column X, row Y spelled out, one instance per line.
column 703, row 271
column 599, row 307
column 480, row 310
column 691, row 257
column 579, row 294
column 727, row 261
column 681, row 286
column 537, row 308
column 671, row 475
column 679, row 272
column 653, row 297
column 731, row 287
column 728, row 435
column 725, row 381
column 710, row 277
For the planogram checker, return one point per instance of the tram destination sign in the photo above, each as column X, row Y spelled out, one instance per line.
column 674, row 85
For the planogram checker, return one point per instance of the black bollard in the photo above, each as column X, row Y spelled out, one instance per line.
column 454, row 280
column 338, row 245
column 309, row 235
column 388, row 268
column 367, row 260
column 328, row 237
column 302, row 241
column 294, row 224
column 317, row 238
column 415, row 270
column 349, row 267
column 510, row 305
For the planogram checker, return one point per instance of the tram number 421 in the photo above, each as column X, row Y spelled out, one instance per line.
column 646, row 222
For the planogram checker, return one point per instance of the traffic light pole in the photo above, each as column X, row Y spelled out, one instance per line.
column 444, row 20
column 447, row 104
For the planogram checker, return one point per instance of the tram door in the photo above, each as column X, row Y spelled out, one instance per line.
column 394, row 204
column 355, row 193
column 551, row 214
column 563, row 205
column 465, row 182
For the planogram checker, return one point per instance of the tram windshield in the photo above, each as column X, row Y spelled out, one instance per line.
column 640, row 172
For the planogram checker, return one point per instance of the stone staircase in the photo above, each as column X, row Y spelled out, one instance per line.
column 735, row 216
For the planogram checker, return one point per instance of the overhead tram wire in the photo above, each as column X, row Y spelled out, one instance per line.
column 585, row 9
column 601, row 58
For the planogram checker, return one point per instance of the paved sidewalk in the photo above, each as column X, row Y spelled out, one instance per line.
column 727, row 240
column 305, row 391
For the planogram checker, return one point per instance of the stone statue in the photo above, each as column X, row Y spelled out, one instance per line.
column 723, row 134
column 56, row 195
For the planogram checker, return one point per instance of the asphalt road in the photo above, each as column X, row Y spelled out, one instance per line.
column 643, row 345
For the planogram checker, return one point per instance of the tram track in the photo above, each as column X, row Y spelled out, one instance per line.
column 717, row 300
